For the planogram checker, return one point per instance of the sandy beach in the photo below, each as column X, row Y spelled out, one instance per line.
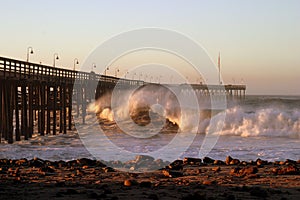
column 183, row 179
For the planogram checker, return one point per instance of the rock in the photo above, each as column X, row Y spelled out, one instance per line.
column 61, row 164
column 291, row 170
column 176, row 165
column 100, row 164
column 127, row 183
column 281, row 163
column 290, row 162
column 46, row 169
column 140, row 158
column 192, row 161
column 245, row 171
column 234, row 171
column 22, row 162
column 248, row 170
column 172, row 173
column 130, row 182
column 275, row 170
column 219, row 162
column 115, row 164
column 234, row 162
column 208, row 182
column 260, row 162
column 228, row 160
column 86, row 161
column 276, row 162
column 243, row 163
column 216, row 169
column 108, row 169
column 208, row 160
column 36, row 162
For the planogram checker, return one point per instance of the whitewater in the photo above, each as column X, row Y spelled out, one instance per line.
column 266, row 127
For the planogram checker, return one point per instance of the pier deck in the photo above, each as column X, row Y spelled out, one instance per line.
column 38, row 94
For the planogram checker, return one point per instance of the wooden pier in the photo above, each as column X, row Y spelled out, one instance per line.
column 38, row 98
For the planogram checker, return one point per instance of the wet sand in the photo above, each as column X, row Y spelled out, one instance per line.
column 183, row 179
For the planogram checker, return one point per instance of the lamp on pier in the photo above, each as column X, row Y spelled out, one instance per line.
column 29, row 51
column 105, row 71
column 76, row 62
column 93, row 67
column 55, row 57
column 126, row 74
column 116, row 72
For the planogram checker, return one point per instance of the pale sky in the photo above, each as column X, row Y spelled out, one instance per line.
column 259, row 40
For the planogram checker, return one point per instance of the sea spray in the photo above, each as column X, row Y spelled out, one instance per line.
column 262, row 122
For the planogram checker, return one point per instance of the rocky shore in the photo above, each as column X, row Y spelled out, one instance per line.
column 190, row 178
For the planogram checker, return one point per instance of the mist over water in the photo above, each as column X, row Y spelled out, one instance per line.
column 269, row 116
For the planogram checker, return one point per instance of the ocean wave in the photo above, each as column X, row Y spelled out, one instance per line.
column 270, row 122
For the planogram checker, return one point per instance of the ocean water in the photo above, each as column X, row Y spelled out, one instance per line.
column 266, row 127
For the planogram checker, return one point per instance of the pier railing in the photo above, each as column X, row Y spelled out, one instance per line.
column 33, row 93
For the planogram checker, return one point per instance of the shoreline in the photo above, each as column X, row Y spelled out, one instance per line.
column 190, row 178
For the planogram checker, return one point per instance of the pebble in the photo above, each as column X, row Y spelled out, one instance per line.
column 130, row 182
column 208, row 182
column 127, row 183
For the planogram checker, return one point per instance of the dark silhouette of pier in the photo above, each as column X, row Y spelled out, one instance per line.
column 36, row 98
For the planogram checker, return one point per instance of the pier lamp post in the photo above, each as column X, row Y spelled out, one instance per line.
column 140, row 76
column 126, row 73
column 242, row 81
column 76, row 62
column 151, row 77
column 116, row 72
column 55, row 57
column 29, row 51
column 93, row 67
column 105, row 71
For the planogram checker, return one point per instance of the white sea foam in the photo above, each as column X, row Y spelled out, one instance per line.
column 270, row 122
